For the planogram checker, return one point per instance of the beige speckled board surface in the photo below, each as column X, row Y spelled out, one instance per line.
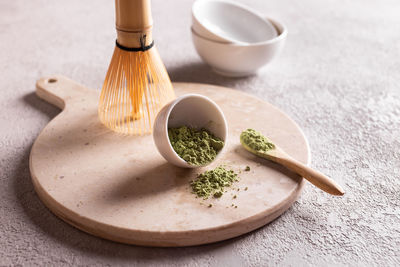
column 120, row 188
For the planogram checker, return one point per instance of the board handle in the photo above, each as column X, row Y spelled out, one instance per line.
column 59, row 90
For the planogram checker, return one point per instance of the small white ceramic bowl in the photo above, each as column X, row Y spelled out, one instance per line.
column 230, row 22
column 191, row 110
column 237, row 60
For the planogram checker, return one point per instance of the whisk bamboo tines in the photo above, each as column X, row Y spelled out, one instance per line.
column 137, row 84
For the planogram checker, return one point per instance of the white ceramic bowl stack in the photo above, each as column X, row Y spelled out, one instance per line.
column 234, row 39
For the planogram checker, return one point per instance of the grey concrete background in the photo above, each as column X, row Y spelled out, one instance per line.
column 338, row 77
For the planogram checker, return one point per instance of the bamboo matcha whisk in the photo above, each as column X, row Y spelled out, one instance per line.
column 137, row 84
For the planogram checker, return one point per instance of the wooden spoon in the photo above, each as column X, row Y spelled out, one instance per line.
column 276, row 154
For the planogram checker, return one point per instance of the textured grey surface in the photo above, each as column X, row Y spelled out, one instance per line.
column 338, row 77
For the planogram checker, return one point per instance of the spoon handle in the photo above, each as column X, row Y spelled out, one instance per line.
column 313, row 176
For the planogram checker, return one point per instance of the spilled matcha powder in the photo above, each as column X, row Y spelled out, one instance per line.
column 213, row 182
column 197, row 147
column 256, row 140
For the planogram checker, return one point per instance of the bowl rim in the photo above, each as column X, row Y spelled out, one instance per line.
column 232, row 3
column 281, row 34
column 210, row 101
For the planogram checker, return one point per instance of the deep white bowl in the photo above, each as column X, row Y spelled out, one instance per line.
column 230, row 22
column 236, row 60
column 192, row 110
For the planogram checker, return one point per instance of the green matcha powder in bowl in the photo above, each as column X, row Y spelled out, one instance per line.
column 190, row 131
column 195, row 146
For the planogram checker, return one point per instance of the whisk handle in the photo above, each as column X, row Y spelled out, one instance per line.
column 133, row 15
column 133, row 22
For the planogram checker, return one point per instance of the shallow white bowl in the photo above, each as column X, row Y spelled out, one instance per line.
column 194, row 111
column 230, row 22
column 238, row 60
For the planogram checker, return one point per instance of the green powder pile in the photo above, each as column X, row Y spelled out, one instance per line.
column 197, row 147
column 213, row 182
column 256, row 141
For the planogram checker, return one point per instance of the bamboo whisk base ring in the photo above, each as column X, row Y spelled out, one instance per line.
column 143, row 47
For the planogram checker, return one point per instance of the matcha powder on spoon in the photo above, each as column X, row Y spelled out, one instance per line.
column 197, row 147
column 256, row 140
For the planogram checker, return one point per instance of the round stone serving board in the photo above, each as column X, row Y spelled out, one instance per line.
column 120, row 188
